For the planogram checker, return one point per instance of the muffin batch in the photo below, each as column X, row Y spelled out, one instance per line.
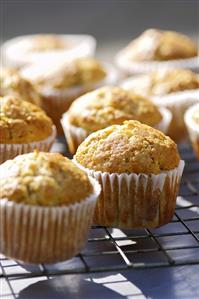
column 125, row 171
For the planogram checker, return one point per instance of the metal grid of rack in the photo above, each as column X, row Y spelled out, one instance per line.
column 176, row 243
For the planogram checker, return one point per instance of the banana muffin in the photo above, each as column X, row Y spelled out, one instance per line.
column 192, row 123
column 108, row 106
column 28, row 49
column 61, row 82
column 11, row 83
column 23, row 128
column 139, row 169
column 155, row 49
column 50, row 187
column 175, row 89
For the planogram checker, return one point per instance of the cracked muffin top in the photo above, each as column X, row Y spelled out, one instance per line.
column 22, row 122
column 45, row 179
column 65, row 74
column 164, row 82
column 111, row 105
column 160, row 45
column 129, row 148
column 11, row 83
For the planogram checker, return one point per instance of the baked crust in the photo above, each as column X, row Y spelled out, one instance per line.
column 160, row 45
column 11, row 83
column 22, row 122
column 111, row 105
column 46, row 42
column 166, row 81
column 129, row 148
column 65, row 74
column 45, row 179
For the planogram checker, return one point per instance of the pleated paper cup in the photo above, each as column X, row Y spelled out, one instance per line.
column 16, row 52
column 76, row 135
column 193, row 128
column 9, row 151
column 164, row 124
column 129, row 67
column 36, row 234
column 136, row 200
column 178, row 103
column 55, row 102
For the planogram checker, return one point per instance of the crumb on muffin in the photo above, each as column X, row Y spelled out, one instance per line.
column 44, row 179
column 160, row 45
column 165, row 82
column 22, row 122
column 65, row 74
column 11, row 83
column 129, row 148
column 111, row 105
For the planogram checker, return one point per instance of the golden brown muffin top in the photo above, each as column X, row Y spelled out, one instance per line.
column 22, row 122
column 166, row 81
column 160, row 45
column 46, row 42
column 111, row 105
column 195, row 115
column 129, row 148
column 65, row 74
column 11, row 83
column 44, row 179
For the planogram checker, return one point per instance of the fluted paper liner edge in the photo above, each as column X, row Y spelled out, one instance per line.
column 136, row 200
column 36, row 234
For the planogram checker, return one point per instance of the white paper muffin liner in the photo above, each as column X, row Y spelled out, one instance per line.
column 136, row 200
column 193, row 128
column 55, row 102
column 130, row 67
column 76, row 135
column 15, row 53
column 9, row 151
column 176, row 102
column 36, row 234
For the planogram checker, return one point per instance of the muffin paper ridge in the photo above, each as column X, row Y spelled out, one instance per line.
column 155, row 193
column 38, row 234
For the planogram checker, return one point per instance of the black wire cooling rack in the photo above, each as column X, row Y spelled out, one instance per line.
column 176, row 243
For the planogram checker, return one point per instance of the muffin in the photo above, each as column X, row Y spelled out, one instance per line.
column 28, row 49
column 23, row 128
column 108, row 106
column 61, row 82
column 192, row 123
column 139, row 169
column 46, row 207
column 175, row 89
column 11, row 83
column 155, row 49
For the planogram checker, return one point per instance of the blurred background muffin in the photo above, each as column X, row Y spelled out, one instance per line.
column 139, row 169
column 60, row 82
column 28, row 49
column 155, row 49
column 107, row 106
column 11, row 83
column 175, row 89
column 192, row 123
column 23, row 128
